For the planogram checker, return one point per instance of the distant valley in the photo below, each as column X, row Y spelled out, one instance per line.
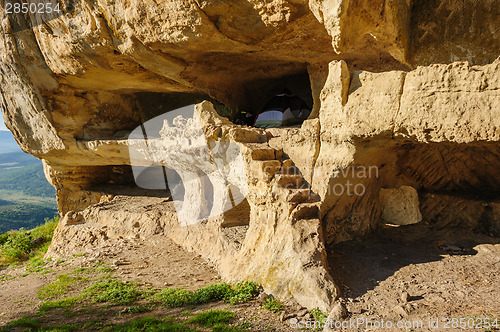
column 26, row 198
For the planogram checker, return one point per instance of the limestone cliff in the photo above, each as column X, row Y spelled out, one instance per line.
column 405, row 98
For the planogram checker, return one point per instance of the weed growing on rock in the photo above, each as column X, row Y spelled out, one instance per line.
column 318, row 315
column 244, row 291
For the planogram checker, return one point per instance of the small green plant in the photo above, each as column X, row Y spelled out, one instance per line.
column 104, row 269
column 246, row 325
column 58, row 287
column 112, row 291
column 17, row 246
column 37, row 263
column 149, row 294
column 244, row 291
column 3, row 238
column 98, row 267
column 212, row 318
column 318, row 315
column 212, row 293
column 273, row 304
column 45, row 231
column 174, row 297
column 151, row 324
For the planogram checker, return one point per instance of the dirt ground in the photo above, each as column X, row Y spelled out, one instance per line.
column 408, row 274
column 157, row 263
column 419, row 274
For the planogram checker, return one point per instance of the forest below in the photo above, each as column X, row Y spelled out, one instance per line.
column 26, row 198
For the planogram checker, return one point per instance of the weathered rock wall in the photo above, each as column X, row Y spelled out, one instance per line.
column 394, row 106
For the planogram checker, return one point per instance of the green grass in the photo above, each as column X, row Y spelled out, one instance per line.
column 273, row 304
column 31, row 324
column 61, row 328
column 225, row 328
column 174, row 297
column 211, row 293
column 178, row 297
column 27, row 244
column 151, row 324
column 212, row 318
column 94, row 323
column 97, row 268
column 80, row 270
column 17, row 246
column 58, row 287
column 64, row 303
column 25, row 322
column 244, row 291
column 113, row 291
column 136, row 309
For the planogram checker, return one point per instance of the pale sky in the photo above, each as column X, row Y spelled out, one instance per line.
column 2, row 125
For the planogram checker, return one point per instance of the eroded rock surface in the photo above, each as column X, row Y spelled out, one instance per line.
column 395, row 104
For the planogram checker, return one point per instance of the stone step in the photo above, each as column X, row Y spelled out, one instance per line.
column 267, row 167
column 293, row 181
column 261, row 151
column 305, row 211
column 247, row 135
column 289, row 168
column 302, row 195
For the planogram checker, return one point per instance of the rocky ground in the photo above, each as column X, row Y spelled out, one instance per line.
column 406, row 274
column 417, row 273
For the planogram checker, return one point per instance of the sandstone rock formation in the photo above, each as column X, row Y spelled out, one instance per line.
column 399, row 99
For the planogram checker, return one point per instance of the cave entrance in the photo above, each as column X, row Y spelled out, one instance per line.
column 458, row 199
column 259, row 93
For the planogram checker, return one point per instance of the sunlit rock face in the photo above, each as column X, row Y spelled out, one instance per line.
column 403, row 94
